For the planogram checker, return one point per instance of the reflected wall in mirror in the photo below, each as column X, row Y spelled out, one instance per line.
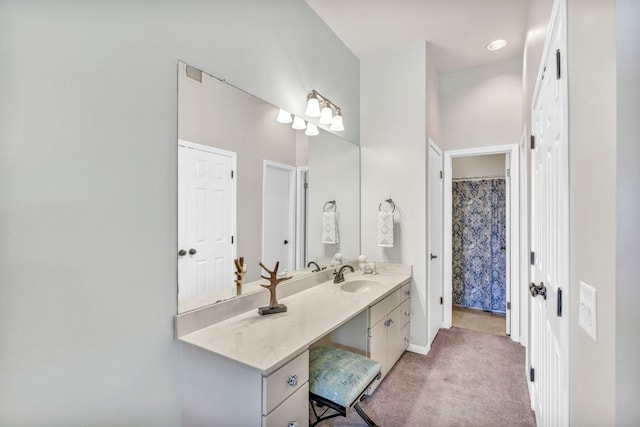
column 239, row 169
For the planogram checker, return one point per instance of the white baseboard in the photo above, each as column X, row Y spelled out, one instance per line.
column 420, row 349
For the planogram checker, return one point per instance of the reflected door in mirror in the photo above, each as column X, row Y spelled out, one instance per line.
column 206, row 212
column 278, row 213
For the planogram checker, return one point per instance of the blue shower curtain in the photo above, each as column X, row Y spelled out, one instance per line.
column 479, row 241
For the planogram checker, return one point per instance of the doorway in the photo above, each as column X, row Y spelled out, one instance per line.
column 278, row 215
column 206, row 219
column 508, row 162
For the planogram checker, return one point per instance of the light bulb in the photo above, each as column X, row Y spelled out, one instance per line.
column 312, row 130
column 326, row 117
column 284, row 117
column 298, row 123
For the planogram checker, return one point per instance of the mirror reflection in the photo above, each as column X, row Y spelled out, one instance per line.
column 254, row 188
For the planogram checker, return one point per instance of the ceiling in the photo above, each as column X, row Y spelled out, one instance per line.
column 458, row 30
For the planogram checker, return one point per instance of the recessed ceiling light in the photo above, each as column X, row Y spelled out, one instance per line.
column 497, row 44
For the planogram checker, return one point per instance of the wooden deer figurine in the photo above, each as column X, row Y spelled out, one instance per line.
column 240, row 270
column 273, row 279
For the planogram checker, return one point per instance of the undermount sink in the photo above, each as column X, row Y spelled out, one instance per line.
column 358, row 285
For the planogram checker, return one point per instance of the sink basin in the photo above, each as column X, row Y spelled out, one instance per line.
column 358, row 285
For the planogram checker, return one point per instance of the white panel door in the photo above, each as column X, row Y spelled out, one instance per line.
column 206, row 220
column 436, row 227
column 278, row 216
column 550, row 236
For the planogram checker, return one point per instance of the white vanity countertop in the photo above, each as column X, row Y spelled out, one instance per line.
column 265, row 342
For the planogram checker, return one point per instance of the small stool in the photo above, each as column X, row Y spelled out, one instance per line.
column 338, row 379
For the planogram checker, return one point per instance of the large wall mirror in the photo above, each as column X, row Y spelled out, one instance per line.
column 254, row 188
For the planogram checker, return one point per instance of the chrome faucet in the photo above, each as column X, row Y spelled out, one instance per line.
column 339, row 275
column 314, row 263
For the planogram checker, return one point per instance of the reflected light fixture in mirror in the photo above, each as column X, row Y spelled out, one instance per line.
column 298, row 123
column 284, row 116
column 312, row 130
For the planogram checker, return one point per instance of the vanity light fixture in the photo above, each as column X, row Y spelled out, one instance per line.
column 312, row 130
column 284, row 116
column 326, row 115
column 298, row 123
column 330, row 114
column 497, row 44
column 336, row 123
column 313, row 105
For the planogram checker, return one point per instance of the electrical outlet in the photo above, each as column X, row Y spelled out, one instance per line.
column 587, row 310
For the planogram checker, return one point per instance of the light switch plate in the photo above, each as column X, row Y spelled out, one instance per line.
column 587, row 310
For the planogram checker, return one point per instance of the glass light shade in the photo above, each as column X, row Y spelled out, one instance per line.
column 312, row 130
column 326, row 116
column 284, row 117
column 336, row 124
column 298, row 123
column 313, row 107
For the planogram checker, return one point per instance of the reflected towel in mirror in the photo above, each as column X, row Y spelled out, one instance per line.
column 385, row 229
column 330, row 228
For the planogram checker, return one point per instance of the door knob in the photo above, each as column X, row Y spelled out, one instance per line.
column 182, row 252
column 434, row 256
column 192, row 251
column 536, row 290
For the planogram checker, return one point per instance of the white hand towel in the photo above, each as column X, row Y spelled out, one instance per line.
column 329, row 228
column 385, row 229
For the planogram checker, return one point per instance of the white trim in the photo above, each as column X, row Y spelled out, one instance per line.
column 292, row 207
column 301, row 218
column 524, row 241
column 513, row 245
column 419, row 349
column 438, row 150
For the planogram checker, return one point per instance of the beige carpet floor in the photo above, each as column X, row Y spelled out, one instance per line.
column 469, row 378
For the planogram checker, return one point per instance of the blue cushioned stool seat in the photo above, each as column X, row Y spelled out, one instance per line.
column 338, row 378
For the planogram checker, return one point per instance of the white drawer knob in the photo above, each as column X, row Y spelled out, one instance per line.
column 293, row 424
column 292, row 381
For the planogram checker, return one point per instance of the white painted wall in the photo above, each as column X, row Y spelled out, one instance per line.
column 478, row 166
column 393, row 163
column 592, row 166
column 627, row 213
column 480, row 106
column 88, row 168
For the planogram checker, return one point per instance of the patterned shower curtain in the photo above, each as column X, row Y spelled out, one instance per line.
column 479, row 241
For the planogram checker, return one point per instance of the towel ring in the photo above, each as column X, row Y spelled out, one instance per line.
column 330, row 202
column 393, row 205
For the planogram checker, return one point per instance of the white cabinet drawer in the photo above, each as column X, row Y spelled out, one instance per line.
column 283, row 382
column 293, row 410
column 382, row 308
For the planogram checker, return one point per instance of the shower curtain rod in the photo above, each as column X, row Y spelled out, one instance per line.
column 477, row 178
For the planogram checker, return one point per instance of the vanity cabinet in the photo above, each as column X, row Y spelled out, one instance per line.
column 219, row 391
column 389, row 330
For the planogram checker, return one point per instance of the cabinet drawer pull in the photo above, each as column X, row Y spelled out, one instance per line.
column 407, row 292
column 293, row 424
column 407, row 313
column 293, row 381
